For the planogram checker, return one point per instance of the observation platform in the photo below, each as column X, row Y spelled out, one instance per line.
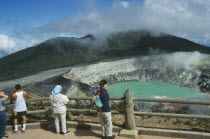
column 46, row 130
column 74, row 134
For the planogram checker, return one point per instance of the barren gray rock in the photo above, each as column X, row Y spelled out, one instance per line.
column 181, row 68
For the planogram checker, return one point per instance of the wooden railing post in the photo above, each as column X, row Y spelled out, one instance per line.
column 129, row 110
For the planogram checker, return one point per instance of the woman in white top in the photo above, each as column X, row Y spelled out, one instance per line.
column 58, row 102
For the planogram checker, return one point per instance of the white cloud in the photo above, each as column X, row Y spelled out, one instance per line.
column 185, row 18
column 7, row 45
column 10, row 45
column 125, row 4
column 206, row 38
column 190, row 17
column 122, row 4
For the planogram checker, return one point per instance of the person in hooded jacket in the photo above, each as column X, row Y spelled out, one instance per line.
column 58, row 102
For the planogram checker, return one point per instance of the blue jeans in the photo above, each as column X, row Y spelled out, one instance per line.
column 3, row 123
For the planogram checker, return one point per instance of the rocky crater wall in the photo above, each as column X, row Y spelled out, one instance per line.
column 184, row 69
column 146, row 68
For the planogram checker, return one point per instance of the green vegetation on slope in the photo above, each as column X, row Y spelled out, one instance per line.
column 44, row 57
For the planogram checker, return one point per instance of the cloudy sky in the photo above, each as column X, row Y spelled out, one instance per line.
column 24, row 23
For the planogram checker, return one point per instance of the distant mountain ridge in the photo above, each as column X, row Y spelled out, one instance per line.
column 67, row 51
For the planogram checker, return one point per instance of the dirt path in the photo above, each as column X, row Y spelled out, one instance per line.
column 74, row 134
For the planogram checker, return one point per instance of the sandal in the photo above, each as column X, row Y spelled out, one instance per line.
column 23, row 131
column 15, row 132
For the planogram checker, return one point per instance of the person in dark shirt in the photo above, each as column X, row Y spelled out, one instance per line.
column 104, row 113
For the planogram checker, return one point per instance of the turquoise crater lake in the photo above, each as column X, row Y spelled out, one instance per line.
column 154, row 89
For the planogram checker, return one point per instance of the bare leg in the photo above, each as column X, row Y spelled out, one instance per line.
column 24, row 124
column 24, row 119
column 15, row 121
column 15, row 126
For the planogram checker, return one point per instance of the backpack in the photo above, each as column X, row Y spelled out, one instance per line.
column 96, row 101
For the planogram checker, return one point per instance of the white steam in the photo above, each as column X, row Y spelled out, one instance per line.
column 184, row 59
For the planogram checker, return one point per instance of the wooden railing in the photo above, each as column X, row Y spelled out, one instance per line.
column 129, row 112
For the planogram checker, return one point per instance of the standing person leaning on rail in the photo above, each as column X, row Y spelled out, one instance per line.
column 104, row 113
column 3, row 120
column 58, row 102
column 20, row 108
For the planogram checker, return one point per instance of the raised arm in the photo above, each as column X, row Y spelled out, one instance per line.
column 4, row 96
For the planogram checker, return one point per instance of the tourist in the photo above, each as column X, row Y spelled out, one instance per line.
column 104, row 113
column 58, row 102
column 20, row 108
column 3, row 120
